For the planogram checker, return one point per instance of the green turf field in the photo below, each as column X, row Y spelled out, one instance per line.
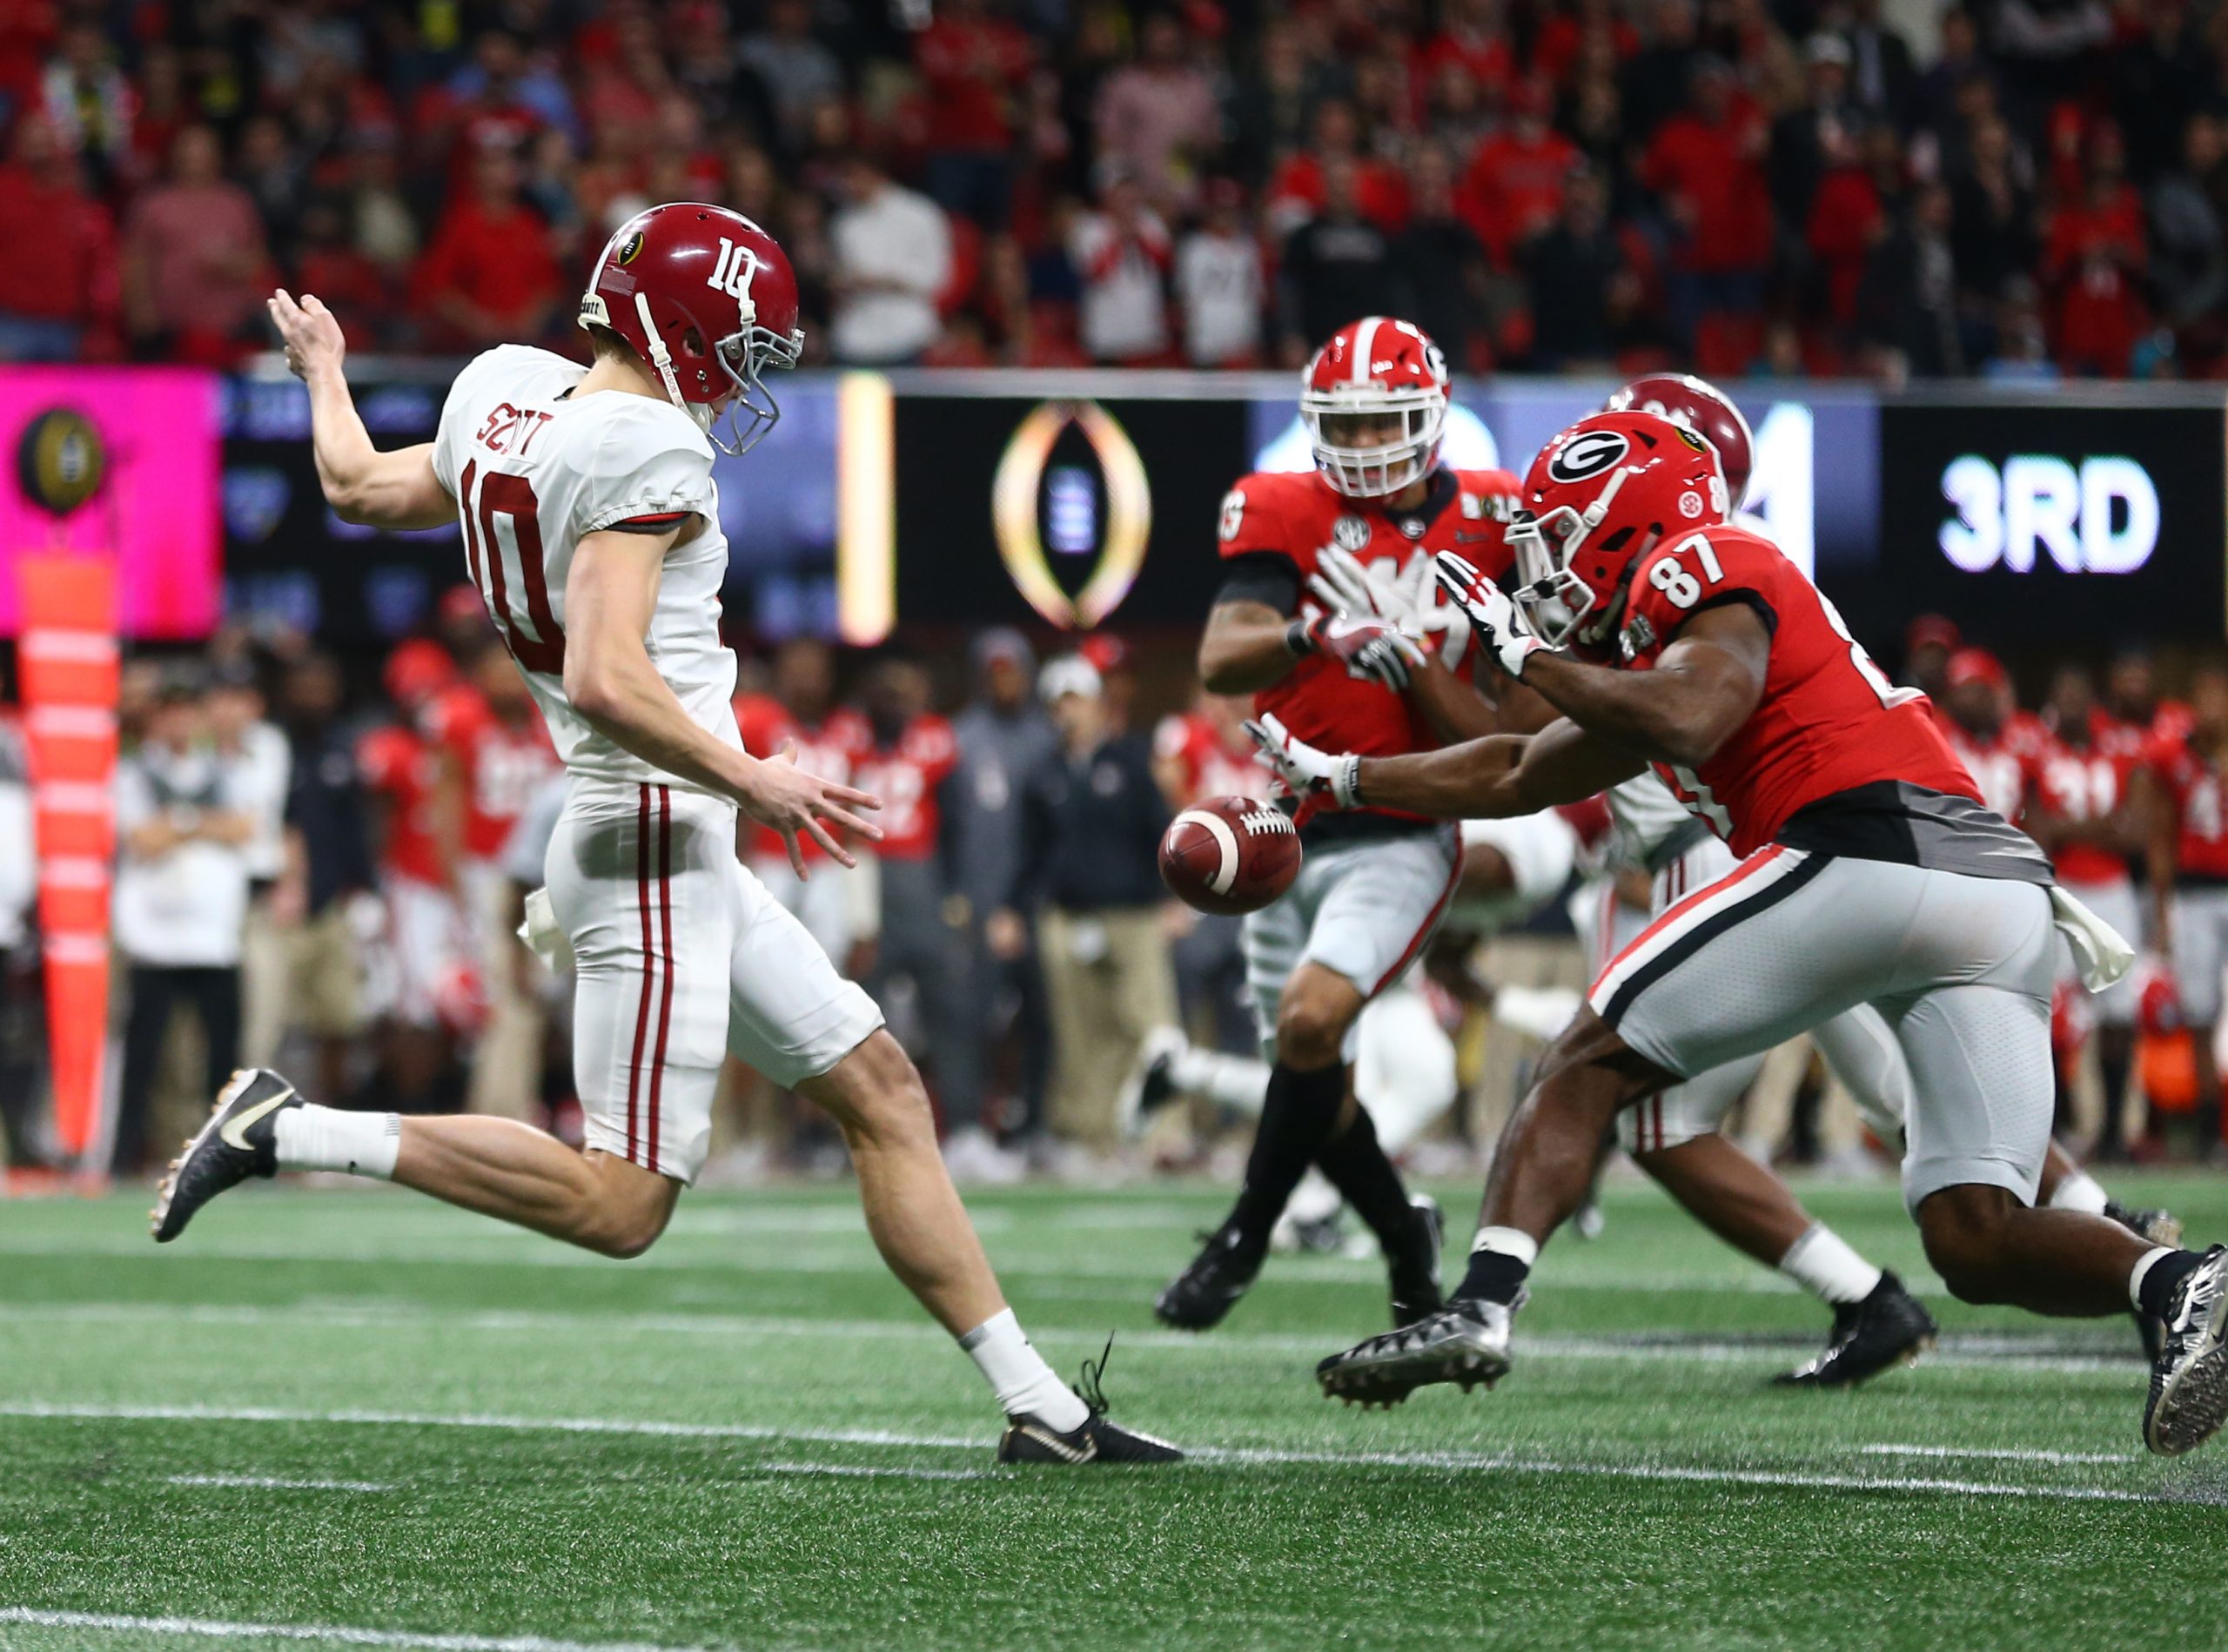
column 351, row 1417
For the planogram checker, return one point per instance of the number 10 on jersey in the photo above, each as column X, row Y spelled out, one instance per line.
column 519, row 606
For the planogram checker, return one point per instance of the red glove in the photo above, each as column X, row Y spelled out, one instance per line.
column 1369, row 649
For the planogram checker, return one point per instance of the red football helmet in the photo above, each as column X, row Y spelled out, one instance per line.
column 1599, row 497
column 1373, row 372
column 708, row 299
column 1702, row 407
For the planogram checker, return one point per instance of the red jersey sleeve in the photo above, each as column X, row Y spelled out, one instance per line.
column 1255, row 518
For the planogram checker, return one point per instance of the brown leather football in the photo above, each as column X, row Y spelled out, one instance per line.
column 1228, row 855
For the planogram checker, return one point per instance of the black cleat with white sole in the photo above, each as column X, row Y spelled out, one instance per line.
column 1224, row 1269
column 1466, row 1342
column 240, row 1140
column 1888, row 1329
column 1412, row 1267
column 1096, row 1439
column 2189, row 1381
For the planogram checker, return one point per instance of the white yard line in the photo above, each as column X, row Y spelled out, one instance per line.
column 1461, row 1462
column 1998, row 1454
column 853, row 1471
column 1992, row 1351
column 330, row 1633
column 269, row 1482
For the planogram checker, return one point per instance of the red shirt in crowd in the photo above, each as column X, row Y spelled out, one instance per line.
column 2093, row 253
column 499, row 259
column 1714, row 170
column 74, row 276
column 1380, row 190
column 1515, row 186
column 1208, row 764
column 973, row 68
column 832, row 749
column 905, row 776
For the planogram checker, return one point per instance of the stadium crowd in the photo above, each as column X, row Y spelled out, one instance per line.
column 1771, row 185
column 327, row 873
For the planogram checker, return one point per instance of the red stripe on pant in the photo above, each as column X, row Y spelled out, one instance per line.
column 649, row 975
column 665, row 927
column 1677, row 912
column 1430, row 923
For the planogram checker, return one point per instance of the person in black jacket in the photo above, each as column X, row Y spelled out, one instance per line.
column 1092, row 821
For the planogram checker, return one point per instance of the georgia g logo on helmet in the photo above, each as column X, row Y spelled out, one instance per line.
column 1588, row 453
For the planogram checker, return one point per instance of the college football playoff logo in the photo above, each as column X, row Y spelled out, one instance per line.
column 1587, row 454
column 1038, row 495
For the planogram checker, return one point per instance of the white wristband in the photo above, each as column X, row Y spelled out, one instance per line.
column 1345, row 781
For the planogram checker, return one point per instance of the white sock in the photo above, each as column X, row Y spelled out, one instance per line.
column 2079, row 1191
column 1018, row 1375
column 2148, row 1260
column 313, row 1138
column 1228, row 1081
column 1507, row 1242
column 1822, row 1264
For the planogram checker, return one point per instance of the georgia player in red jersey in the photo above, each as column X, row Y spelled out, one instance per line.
column 2080, row 806
column 830, row 739
column 1205, row 753
column 1320, row 569
column 1872, row 874
column 499, row 746
column 2187, row 784
column 1992, row 738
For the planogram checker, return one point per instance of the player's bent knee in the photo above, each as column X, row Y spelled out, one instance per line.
column 1311, row 1026
column 1965, row 1230
column 875, row 1090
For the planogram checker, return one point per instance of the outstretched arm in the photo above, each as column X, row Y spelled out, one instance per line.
column 1499, row 777
column 610, row 595
column 1703, row 687
column 386, row 490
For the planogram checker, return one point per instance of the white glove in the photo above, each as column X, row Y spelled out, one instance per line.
column 1305, row 772
column 1492, row 614
column 1346, row 587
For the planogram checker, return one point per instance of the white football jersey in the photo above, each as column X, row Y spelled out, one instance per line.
column 533, row 471
column 1646, row 814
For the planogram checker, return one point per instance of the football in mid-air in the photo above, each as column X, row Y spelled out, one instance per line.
column 1228, row 855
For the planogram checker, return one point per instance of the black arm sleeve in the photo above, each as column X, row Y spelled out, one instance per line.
column 1261, row 576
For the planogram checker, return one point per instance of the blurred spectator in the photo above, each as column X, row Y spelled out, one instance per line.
column 184, row 826
column 1219, row 283
column 1269, row 109
column 84, row 94
column 2094, row 254
column 19, row 1113
column 1303, row 184
column 1158, row 115
column 973, row 65
column 1656, row 79
column 2188, row 242
column 1580, row 284
column 795, row 70
column 1336, row 265
column 830, row 739
column 1906, row 300
column 63, row 303
column 491, row 276
column 1002, row 736
column 1706, row 161
column 1882, row 78
column 1121, row 252
column 1441, row 262
column 917, row 974
column 892, row 252
column 1993, row 210
column 2158, row 81
column 1092, row 821
column 326, row 866
column 1515, row 185
column 195, row 274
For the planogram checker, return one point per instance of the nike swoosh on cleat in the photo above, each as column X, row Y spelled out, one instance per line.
column 233, row 1130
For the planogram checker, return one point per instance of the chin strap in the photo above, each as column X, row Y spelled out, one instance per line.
column 660, row 357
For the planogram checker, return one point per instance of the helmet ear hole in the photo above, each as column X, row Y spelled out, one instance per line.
column 1616, row 541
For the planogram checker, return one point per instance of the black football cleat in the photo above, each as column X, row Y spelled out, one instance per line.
column 1412, row 1267
column 2189, row 1382
column 1224, row 1269
column 2160, row 1227
column 1889, row 1328
column 1096, row 1439
column 1465, row 1342
column 240, row 1140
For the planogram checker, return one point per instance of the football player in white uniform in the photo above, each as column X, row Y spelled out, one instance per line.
column 591, row 529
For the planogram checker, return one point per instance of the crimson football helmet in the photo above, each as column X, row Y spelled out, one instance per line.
column 709, row 301
column 1373, row 371
column 1702, row 407
column 1599, row 497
